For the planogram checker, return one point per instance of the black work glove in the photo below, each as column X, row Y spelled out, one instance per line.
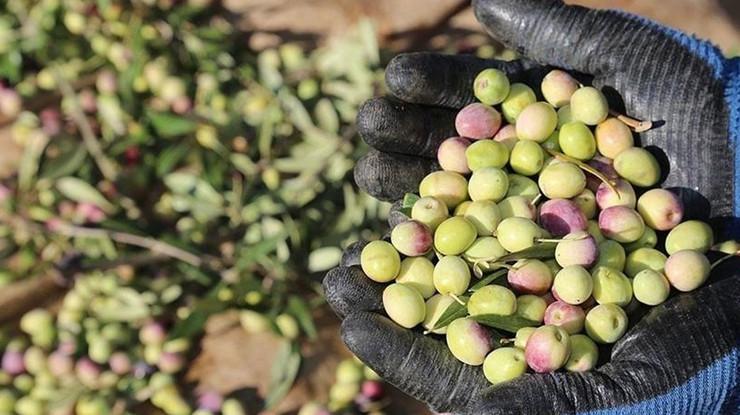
column 683, row 356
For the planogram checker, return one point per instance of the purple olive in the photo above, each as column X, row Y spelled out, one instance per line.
column 477, row 121
column 566, row 316
column 561, row 217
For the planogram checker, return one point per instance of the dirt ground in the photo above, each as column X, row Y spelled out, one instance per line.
column 402, row 24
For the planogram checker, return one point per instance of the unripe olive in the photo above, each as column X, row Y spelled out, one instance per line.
column 504, row 364
column 468, row 341
column 449, row 187
column 692, row 234
column 606, row 323
column 492, row 299
column 380, row 261
column 610, row 286
column 404, row 305
column 589, row 106
column 638, row 166
column 418, row 273
column 520, row 96
column 454, row 236
column 451, row 275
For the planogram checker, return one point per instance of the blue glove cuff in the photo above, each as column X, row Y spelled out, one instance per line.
column 732, row 96
column 714, row 390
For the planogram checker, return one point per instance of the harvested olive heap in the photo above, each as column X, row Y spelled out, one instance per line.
column 555, row 216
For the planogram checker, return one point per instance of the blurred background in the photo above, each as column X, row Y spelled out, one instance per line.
column 175, row 179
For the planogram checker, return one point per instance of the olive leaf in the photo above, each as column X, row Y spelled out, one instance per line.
column 170, row 125
column 170, row 157
column 81, row 191
column 409, row 199
column 283, row 374
column 30, row 160
column 510, row 324
column 488, row 279
column 545, row 250
column 298, row 308
column 68, row 163
column 452, row 313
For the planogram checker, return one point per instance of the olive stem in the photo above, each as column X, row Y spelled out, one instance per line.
column 554, row 241
column 637, row 125
column 456, row 298
column 107, row 167
column 151, row 244
column 585, row 167
column 721, row 260
column 478, row 270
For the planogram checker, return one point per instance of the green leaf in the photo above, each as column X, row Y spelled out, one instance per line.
column 170, row 157
column 409, row 199
column 299, row 309
column 169, row 125
column 81, row 191
column 506, row 323
column 68, row 163
column 253, row 253
column 29, row 165
column 488, row 279
column 452, row 313
column 544, row 250
column 193, row 324
column 284, row 372
column 326, row 116
column 11, row 62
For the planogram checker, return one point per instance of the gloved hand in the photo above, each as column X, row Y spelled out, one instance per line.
column 683, row 356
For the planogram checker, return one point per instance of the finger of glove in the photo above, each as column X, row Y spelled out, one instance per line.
column 348, row 289
column 668, row 347
column 388, row 176
column 396, row 215
column 420, row 366
column 399, row 127
column 445, row 80
column 351, row 255
column 553, row 33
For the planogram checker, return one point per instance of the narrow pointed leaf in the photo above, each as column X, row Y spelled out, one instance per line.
column 408, row 202
column 283, row 375
column 585, row 167
column 506, row 323
column 81, row 191
column 452, row 313
column 544, row 250
column 489, row 279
